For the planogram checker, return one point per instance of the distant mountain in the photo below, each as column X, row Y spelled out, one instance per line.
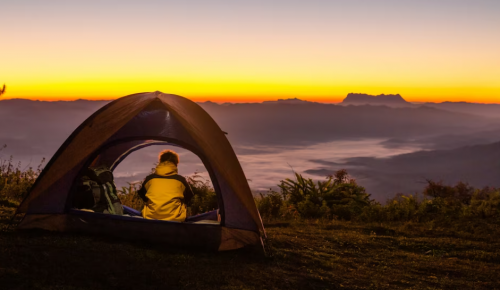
column 37, row 123
column 293, row 101
column 478, row 165
column 396, row 101
column 285, row 124
column 485, row 110
column 290, row 101
column 364, row 99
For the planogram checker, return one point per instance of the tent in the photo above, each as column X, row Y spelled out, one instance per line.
column 128, row 124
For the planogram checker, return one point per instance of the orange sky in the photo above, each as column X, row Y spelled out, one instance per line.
column 252, row 50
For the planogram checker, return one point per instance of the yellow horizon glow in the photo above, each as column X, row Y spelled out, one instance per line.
column 252, row 51
column 241, row 92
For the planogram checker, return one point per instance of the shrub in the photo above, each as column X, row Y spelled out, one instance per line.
column 205, row 198
column 270, row 205
column 447, row 203
column 15, row 182
column 129, row 197
column 340, row 197
column 308, row 208
column 485, row 206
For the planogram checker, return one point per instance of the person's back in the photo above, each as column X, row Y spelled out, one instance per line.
column 165, row 192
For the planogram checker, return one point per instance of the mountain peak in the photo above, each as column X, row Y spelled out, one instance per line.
column 365, row 99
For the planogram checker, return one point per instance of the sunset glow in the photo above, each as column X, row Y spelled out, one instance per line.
column 246, row 51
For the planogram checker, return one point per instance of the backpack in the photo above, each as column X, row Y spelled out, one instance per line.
column 97, row 191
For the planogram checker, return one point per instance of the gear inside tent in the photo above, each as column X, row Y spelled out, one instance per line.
column 122, row 127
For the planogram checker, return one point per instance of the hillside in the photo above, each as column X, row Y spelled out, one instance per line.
column 448, row 140
column 314, row 122
column 478, row 165
column 485, row 110
column 300, row 255
column 448, row 242
column 34, row 130
column 36, row 127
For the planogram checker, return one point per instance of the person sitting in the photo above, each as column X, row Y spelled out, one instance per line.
column 164, row 192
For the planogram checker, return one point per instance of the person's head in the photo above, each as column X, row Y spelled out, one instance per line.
column 168, row 155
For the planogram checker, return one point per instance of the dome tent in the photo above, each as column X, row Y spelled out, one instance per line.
column 128, row 124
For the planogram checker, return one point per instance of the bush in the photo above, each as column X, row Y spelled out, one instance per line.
column 485, row 206
column 339, row 197
column 205, row 198
column 446, row 203
column 15, row 182
column 129, row 197
column 270, row 205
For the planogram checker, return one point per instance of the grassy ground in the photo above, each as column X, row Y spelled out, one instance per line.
column 300, row 255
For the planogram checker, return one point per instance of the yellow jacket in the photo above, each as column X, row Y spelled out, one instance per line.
column 165, row 194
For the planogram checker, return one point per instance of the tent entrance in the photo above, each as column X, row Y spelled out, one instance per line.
column 115, row 155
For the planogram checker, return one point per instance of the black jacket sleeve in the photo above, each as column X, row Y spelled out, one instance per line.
column 142, row 191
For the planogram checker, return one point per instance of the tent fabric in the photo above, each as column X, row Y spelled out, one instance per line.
column 130, row 228
column 134, row 122
column 204, row 236
column 80, row 145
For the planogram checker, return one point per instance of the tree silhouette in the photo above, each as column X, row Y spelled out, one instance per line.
column 2, row 91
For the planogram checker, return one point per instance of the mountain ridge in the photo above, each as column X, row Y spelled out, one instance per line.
column 366, row 99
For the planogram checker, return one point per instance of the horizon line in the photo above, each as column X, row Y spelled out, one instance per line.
column 204, row 100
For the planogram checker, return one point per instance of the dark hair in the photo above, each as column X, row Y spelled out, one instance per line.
column 168, row 155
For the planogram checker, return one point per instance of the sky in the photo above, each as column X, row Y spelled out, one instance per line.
column 245, row 51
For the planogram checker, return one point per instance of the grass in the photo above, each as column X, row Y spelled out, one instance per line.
column 308, row 254
column 449, row 242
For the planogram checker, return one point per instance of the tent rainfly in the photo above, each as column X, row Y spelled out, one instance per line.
column 128, row 124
